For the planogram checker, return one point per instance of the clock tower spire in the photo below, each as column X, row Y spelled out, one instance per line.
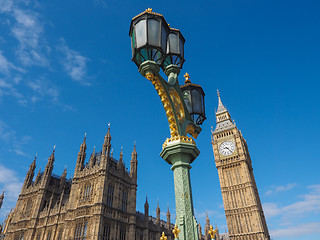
column 244, row 213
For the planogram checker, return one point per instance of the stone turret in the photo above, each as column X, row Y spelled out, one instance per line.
column 63, row 177
column 200, row 231
column 158, row 213
column 106, row 147
column 120, row 162
column 146, row 209
column 207, row 228
column 168, row 218
column 92, row 160
column 30, row 174
column 38, row 177
column 1, row 200
column 217, row 232
column 48, row 170
column 134, row 163
column 81, row 155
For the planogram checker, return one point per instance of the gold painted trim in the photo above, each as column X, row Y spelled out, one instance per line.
column 183, row 139
column 190, row 129
column 166, row 103
column 149, row 10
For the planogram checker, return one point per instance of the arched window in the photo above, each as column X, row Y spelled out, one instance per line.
column 106, row 232
column 49, row 236
column 124, row 200
column 28, row 207
column 80, row 232
column 60, row 234
column 122, row 233
column 87, row 191
column 110, row 195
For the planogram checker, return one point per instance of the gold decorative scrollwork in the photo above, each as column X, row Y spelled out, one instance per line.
column 190, row 129
column 177, row 104
column 166, row 103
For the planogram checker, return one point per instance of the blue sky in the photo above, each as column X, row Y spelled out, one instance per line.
column 65, row 69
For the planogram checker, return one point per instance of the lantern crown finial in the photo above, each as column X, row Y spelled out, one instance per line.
column 187, row 77
column 148, row 10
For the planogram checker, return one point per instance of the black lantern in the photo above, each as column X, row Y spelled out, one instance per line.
column 175, row 49
column 193, row 96
column 148, row 32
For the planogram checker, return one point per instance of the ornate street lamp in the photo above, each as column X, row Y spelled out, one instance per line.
column 175, row 49
column 155, row 45
column 148, row 34
column 193, row 96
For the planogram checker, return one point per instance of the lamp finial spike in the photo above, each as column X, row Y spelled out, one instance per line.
column 187, row 77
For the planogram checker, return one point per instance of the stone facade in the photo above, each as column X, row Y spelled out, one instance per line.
column 99, row 203
column 244, row 213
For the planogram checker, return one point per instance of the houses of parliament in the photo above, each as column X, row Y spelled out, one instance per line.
column 99, row 202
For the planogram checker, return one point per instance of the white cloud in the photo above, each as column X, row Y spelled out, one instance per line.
column 32, row 49
column 271, row 210
column 5, row 5
column 8, row 136
column 275, row 189
column 28, row 30
column 74, row 64
column 9, row 182
column 43, row 88
column 309, row 204
column 296, row 231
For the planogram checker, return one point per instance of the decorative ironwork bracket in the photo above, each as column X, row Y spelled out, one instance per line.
column 179, row 119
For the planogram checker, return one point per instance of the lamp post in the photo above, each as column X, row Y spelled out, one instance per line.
column 155, row 45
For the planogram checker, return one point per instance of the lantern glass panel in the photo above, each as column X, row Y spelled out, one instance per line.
column 173, row 46
column 187, row 100
column 196, row 101
column 153, row 32
column 163, row 38
column 141, row 33
column 133, row 43
column 181, row 47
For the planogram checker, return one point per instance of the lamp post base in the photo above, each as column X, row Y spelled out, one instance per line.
column 180, row 155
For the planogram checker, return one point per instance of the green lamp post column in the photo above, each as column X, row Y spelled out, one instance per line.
column 180, row 154
column 155, row 45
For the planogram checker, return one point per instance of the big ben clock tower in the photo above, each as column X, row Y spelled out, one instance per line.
column 244, row 213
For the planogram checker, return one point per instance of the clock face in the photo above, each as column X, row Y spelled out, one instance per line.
column 227, row 148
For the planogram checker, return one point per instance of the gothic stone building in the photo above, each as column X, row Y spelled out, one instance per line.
column 99, row 203
column 244, row 213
